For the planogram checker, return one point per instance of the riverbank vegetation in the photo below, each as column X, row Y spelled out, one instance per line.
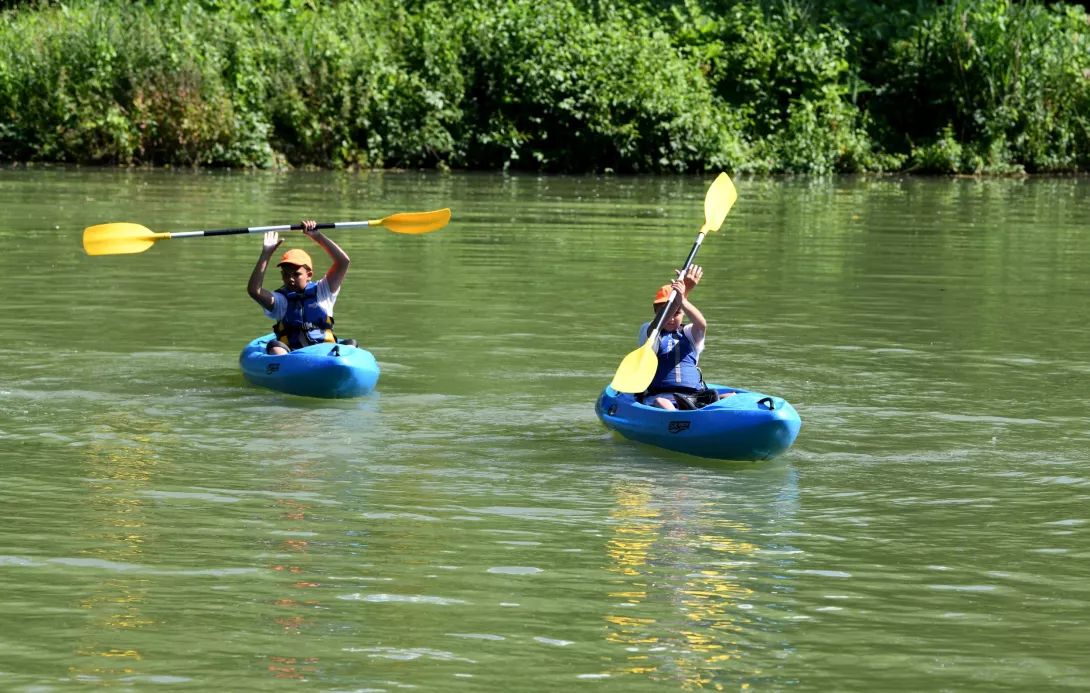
column 965, row 86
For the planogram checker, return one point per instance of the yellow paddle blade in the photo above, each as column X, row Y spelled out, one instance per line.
column 637, row 370
column 415, row 222
column 119, row 239
column 720, row 198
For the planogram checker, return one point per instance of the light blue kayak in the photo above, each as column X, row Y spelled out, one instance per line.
column 745, row 426
column 327, row 370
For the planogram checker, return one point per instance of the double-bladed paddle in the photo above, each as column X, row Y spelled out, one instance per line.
column 121, row 239
column 638, row 368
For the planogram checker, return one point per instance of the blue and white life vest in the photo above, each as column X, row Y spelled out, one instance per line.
column 306, row 322
column 677, row 371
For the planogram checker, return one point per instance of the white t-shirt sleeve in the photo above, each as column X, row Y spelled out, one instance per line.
column 642, row 337
column 698, row 345
column 325, row 297
column 280, row 306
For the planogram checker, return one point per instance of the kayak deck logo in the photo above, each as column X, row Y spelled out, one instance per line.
column 678, row 426
column 272, row 368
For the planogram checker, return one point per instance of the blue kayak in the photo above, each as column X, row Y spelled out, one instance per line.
column 327, row 370
column 745, row 426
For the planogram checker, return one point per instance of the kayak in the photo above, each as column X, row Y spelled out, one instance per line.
column 328, row 370
column 746, row 426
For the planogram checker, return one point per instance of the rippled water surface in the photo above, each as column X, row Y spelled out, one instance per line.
column 471, row 526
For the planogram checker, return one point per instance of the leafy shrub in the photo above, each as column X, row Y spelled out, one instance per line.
column 556, row 88
column 987, row 86
column 1011, row 79
column 792, row 81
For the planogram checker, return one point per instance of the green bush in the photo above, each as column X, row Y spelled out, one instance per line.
column 555, row 88
column 982, row 86
column 1010, row 81
column 121, row 86
column 791, row 82
column 342, row 91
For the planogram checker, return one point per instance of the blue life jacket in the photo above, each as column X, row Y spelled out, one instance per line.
column 677, row 371
column 306, row 322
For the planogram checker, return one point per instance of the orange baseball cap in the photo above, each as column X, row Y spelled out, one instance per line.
column 664, row 294
column 296, row 257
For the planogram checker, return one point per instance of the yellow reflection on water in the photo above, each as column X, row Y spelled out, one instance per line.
column 679, row 619
column 115, row 532
column 634, row 534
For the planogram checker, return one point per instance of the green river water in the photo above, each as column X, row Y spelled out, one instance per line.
column 471, row 526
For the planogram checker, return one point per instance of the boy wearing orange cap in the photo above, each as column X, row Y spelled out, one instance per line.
column 302, row 308
column 679, row 347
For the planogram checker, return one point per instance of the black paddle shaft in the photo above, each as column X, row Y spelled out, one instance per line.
column 675, row 299
column 262, row 229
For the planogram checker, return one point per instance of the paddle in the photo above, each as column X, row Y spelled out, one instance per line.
column 121, row 239
column 638, row 368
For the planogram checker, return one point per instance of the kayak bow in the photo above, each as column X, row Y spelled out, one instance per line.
column 327, row 370
column 746, row 426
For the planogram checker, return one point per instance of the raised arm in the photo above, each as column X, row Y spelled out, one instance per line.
column 691, row 279
column 337, row 270
column 700, row 325
column 257, row 292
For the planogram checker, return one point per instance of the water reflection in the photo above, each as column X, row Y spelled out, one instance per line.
column 117, row 474
column 693, row 587
column 292, row 568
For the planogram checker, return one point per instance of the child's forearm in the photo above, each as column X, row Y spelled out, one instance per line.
column 694, row 315
column 339, row 257
column 257, row 277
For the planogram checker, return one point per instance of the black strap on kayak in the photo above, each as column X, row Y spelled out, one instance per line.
column 675, row 390
column 687, row 398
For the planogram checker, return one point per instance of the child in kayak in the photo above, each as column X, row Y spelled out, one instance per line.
column 678, row 380
column 302, row 308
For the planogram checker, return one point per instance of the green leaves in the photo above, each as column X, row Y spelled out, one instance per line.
column 555, row 88
column 1002, row 81
column 554, row 85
